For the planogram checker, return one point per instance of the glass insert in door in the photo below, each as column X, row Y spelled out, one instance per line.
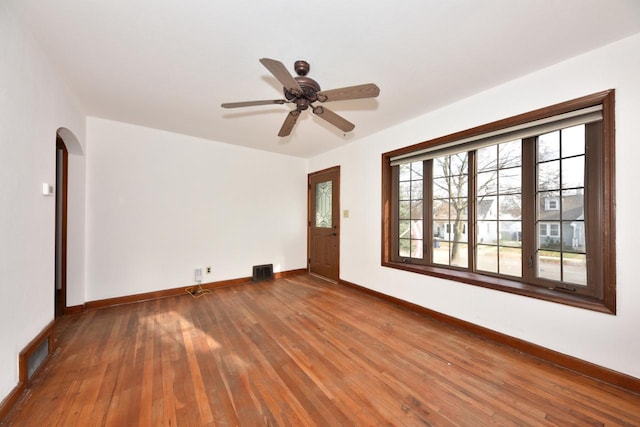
column 323, row 204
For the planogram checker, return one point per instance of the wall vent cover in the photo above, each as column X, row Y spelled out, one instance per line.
column 37, row 357
column 262, row 272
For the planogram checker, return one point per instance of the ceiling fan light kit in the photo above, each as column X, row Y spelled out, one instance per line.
column 303, row 91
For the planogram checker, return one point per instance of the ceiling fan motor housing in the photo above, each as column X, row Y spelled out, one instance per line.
column 309, row 86
column 309, row 89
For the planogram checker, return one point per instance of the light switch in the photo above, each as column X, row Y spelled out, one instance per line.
column 47, row 190
column 345, row 213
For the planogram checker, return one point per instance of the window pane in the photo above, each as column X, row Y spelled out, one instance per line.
column 416, row 209
column 404, row 191
column 404, row 210
column 487, row 258
column 416, row 171
column 549, row 146
column 487, row 232
column 510, row 206
column 575, row 237
column 441, row 209
column 548, row 205
column 487, row 158
column 459, row 254
column 404, row 248
column 404, row 228
column 510, row 233
column 459, row 186
column 440, row 169
column 510, row 180
column 459, row 208
column 573, row 172
column 549, row 176
column 573, row 205
column 487, row 183
column 573, row 141
column 549, row 265
column 416, row 249
column 487, row 208
column 459, row 231
column 440, row 252
column 574, row 268
column 510, row 154
column 551, row 238
column 323, row 204
column 416, row 190
column 459, row 163
column 510, row 261
column 416, row 229
column 405, row 171
column 441, row 188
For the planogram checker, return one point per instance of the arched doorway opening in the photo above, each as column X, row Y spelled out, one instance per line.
column 62, row 175
column 67, row 147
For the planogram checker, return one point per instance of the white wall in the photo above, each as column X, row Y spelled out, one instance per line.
column 160, row 204
column 34, row 103
column 606, row 340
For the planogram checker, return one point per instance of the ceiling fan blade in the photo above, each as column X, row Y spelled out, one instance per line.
column 368, row 90
column 280, row 72
column 289, row 123
column 336, row 120
column 252, row 103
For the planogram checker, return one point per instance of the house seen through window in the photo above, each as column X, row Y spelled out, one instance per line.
column 521, row 208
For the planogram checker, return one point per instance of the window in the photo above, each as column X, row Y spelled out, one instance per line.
column 523, row 205
column 550, row 204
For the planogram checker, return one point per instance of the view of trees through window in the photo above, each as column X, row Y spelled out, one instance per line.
column 524, row 205
column 450, row 208
column 496, row 175
column 410, row 217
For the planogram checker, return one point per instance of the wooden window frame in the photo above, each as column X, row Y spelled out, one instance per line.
column 604, row 300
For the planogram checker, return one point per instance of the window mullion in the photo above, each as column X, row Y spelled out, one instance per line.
column 472, row 211
column 394, row 212
column 529, row 205
column 593, row 220
column 427, row 201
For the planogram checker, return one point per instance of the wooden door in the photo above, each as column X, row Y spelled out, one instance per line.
column 324, row 223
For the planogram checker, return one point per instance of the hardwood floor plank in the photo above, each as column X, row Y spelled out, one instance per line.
column 298, row 351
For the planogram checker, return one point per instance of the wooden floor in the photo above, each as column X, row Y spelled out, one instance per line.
column 298, row 351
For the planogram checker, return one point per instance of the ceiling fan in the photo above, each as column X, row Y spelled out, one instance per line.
column 304, row 91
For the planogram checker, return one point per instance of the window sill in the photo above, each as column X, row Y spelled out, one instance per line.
column 505, row 285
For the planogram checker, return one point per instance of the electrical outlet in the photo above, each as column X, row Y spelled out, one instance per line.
column 208, row 270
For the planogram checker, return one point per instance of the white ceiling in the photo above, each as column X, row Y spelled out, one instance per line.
column 169, row 64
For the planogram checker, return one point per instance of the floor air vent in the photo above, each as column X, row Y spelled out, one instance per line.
column 37, row 357
column 262, row 272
